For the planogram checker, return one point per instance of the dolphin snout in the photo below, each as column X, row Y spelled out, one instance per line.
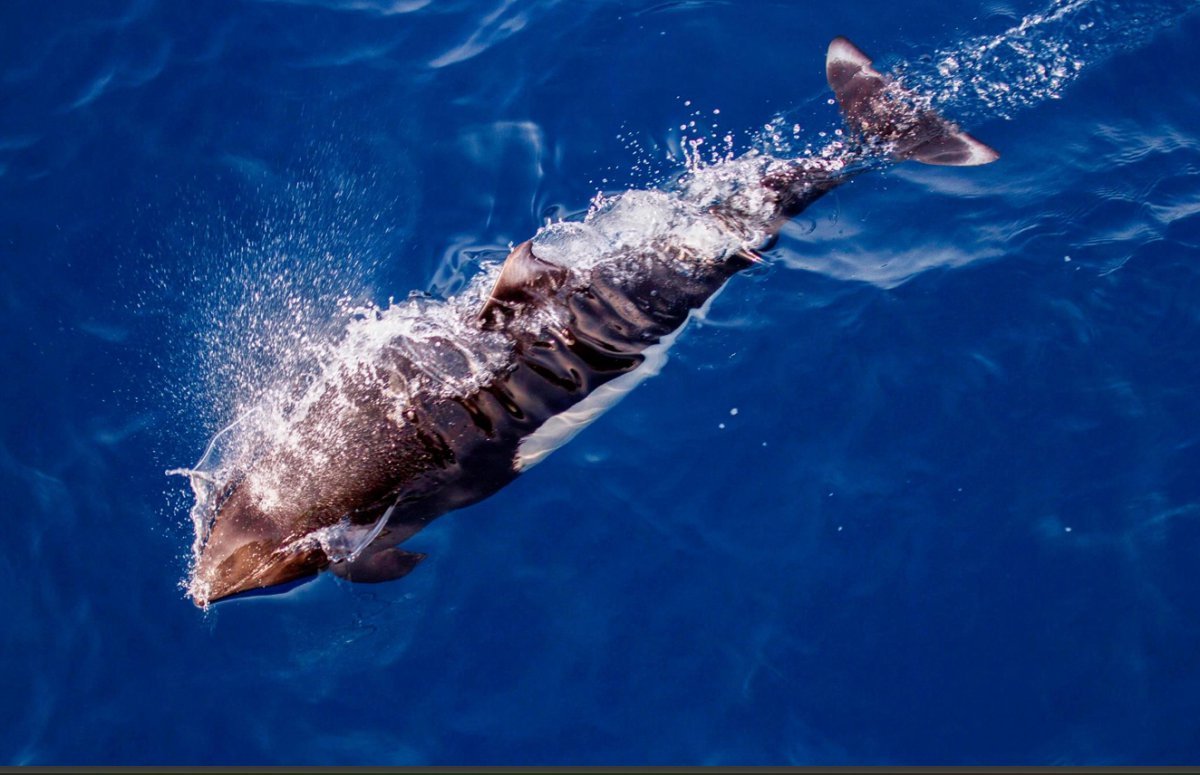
column 244, row 552
column 255, row 565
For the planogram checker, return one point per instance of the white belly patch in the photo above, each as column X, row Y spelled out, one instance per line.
column 563, row 427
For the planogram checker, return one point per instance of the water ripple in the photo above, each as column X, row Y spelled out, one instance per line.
column 495, row 27
column 371, row 7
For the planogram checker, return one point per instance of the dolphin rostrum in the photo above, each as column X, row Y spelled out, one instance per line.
column 479, row 388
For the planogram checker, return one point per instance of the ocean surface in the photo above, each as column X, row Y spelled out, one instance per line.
column 922, row 489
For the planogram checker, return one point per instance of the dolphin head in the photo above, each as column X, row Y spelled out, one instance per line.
column 247, row 550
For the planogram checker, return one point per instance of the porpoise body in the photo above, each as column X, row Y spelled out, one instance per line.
column 371, row 458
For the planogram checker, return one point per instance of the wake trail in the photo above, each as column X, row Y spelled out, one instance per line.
column 1036, row 59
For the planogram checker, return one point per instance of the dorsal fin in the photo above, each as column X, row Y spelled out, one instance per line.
column 523, row 277
column 878, row 108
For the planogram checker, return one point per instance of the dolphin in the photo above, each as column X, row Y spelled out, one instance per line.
column 569, row 323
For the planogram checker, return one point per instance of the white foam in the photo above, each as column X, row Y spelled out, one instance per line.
column 291, row 435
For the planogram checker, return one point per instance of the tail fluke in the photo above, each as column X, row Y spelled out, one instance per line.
column 881, row 110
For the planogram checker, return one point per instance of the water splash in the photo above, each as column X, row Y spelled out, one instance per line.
column 295, row 430
column 283, row 340
column 411, row 346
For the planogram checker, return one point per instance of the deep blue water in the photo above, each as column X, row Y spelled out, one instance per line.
column 954, row 519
